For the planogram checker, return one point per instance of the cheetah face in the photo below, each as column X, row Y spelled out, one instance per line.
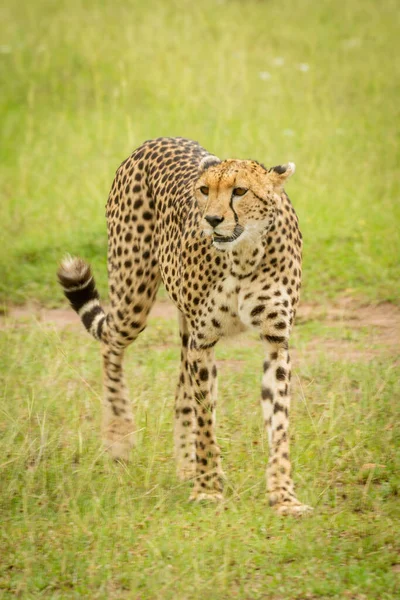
column 238, row 199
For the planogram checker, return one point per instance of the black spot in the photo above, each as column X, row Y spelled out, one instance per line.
column 257, row 310
column 280, row 374
column 203, row 374
column 276, row 339
column 267, row 394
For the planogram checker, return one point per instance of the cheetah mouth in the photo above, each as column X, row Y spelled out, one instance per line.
column 221, row 239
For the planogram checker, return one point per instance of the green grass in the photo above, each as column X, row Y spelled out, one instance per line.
column 76, row 525
column 83, row 83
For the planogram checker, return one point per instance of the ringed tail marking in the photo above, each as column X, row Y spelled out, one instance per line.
column 76, row 278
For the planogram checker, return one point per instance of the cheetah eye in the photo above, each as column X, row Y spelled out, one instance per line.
column 239, row 191
column 204, row 190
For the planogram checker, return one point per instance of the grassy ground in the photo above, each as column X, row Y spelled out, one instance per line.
column 83, row 83
column 76, row 525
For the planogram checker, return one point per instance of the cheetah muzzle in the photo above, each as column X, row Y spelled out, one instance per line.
column 224, row 239
column 220, row 239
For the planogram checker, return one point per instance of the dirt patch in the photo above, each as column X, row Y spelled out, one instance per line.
column 380, row 324
column 225, row 365
column 335, row 350
column 344, row 310
column 65, row 317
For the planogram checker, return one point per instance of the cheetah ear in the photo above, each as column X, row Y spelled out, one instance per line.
column 280, row 173
column 208, row 161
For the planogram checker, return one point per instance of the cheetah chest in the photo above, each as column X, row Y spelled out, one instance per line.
column 216, row 314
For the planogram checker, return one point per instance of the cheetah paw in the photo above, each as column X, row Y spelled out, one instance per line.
column 206, row 497
column 292, row 509
column 119, row 448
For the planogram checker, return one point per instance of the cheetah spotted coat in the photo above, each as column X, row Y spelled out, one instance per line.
column 223, row 237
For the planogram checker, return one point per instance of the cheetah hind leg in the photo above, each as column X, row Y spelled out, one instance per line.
column 118, row 430
column 131, row 301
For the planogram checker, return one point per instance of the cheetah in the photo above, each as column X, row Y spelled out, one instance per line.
column 223, row 237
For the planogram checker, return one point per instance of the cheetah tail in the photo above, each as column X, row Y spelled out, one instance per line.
column 76, row 278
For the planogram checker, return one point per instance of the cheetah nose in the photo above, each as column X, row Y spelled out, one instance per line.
column 214, row 220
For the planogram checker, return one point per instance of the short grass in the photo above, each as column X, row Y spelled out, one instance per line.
column 83, row 83
column 76, row 525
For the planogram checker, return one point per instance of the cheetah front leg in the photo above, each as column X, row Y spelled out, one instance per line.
column 275, row 404
column 184, row 423
column 209, row 474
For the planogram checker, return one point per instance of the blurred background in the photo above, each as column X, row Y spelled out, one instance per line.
column 85, row 82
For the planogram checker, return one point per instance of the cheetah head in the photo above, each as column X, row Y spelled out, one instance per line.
column 238, row 199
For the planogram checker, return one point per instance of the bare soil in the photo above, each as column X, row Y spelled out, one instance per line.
column 379, row 324
column 64, row 317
